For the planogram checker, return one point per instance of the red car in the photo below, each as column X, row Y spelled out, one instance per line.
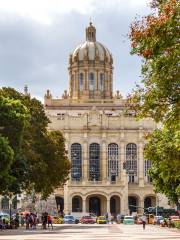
column 87, row 219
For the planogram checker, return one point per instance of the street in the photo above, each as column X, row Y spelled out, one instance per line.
column 92, row 232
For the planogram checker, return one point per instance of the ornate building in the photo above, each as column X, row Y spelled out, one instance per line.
column 104, row 143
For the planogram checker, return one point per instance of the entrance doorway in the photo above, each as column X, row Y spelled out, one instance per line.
column 60, row 204
column 133, row 202
column 115, row 205
column 95, row 205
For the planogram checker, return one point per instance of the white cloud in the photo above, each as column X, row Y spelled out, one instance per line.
column 44, row 10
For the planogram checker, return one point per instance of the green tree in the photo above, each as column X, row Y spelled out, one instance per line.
column 13, row 120
column 41, row 163
column 6, row 160
column 163, row 150
column 155, row 38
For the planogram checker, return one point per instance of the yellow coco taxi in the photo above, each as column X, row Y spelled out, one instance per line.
column 101, row 220
column 57, row 220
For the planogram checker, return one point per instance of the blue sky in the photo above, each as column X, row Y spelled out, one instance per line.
column 37, row 36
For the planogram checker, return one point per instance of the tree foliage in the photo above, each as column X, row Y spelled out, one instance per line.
column 155, row 38
column 41, row 163
column 164, row 151
column 6, row 159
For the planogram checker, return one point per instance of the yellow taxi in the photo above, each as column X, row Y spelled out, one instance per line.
column 57, row 220
column 101, row 220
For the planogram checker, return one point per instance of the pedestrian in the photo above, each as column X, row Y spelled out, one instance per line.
column 144, row 219
column 1, row 224
column 44, row 219
column 112, row 219
column 49, row 220
column 106, row 216
column 169, row 223
column 27, row 220
column 119, row 218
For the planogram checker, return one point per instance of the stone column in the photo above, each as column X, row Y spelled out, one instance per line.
column 66, row 200
column 85, row 161
column 97, row 80
column 84, row 205
column 141, row 164
column 108, row 205
column 124, row 201
column 122, row 160
column 141, row 204
column 86, row 76
column 104, row 161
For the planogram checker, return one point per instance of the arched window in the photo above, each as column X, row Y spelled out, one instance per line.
column 81, row 81
column 113, row 161
column 101, row 82
column 131, row 161
column 5, row 203
column 94, row 162
column 91, row 81
column 76, row 161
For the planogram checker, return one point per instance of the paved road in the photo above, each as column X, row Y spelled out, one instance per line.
column 94, row 232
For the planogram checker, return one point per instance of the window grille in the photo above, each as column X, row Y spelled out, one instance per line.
column 101, row 85
column 147, row 166
column 94, row 162
column 5, row 203
column 113, row 161
column 76, row 161
column 131, row 161
column 81, row 81
column 91, row 81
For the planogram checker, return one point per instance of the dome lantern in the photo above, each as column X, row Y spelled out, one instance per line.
column 91, row 33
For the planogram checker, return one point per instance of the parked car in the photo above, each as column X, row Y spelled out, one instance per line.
column 57, row 220
column 128, row 220
column 87, row 219
column 69, row 219
column 158, row 220
column 79, row 215
column 101, row 220
column 5, row 216
column 175, row 218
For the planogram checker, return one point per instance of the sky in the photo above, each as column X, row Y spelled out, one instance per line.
column 37, row 36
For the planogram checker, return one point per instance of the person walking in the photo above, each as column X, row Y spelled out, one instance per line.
column 49, row 220
column 1, row 224
column 144, row 222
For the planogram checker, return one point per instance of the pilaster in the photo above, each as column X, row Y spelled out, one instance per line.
column 104, row 161
column 85, row 161
column 141, row 164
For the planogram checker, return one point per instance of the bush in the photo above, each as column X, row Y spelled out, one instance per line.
column 176, row 224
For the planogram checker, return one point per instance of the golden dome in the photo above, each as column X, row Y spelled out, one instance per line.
column 91, row 49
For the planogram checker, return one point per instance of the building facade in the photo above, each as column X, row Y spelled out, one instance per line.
column 105, row 143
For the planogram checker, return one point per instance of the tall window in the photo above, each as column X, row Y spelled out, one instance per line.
column 147, row 166
column 131, row 161
column 81, row 81
column 113, row 161
column 101, row 81
column 5, row 203
column 94, row 162
column 76, row 161
column 91, row 81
